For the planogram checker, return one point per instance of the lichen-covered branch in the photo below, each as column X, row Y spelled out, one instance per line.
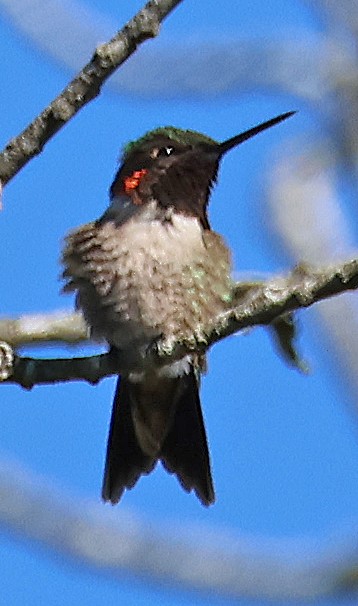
column 84, row 87
column 255, row 303
column 303, row 287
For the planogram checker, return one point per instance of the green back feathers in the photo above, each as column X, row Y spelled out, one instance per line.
column 188, row 137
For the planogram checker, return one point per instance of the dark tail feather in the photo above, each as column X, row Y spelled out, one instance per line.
column 125, row 461
column 185, row 450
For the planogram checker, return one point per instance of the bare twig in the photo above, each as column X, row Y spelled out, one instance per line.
column 35, row 329
column 254, row 304
column 28, row 372
column 84, row 87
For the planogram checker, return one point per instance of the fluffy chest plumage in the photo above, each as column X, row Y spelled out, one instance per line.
column 147, row 277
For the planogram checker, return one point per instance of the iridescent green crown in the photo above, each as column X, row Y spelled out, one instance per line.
column 188, row 137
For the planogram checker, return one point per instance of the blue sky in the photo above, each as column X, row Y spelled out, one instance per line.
column 284, row 446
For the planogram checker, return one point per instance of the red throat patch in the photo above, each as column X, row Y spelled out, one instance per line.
column 130, row 183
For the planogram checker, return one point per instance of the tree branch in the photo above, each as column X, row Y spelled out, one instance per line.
column 28, row 372
column 257, row 303
column 35, row 329
column 84, row 87
column 304, row 286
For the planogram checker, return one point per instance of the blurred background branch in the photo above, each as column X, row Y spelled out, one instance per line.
column 192, row 558
column 32, row 329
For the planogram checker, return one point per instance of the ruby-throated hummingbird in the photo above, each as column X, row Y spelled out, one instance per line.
column 151, row 268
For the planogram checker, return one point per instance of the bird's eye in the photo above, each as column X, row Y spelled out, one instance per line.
column 158, row 152
column 166, row 151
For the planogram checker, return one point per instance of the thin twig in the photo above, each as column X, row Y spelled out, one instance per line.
column 36, row 329
column 84, row 87
column 28, row 372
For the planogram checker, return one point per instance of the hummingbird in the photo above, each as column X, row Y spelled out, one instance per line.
column 151, row 268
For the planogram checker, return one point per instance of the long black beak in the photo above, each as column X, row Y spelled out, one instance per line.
column 234, row 141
